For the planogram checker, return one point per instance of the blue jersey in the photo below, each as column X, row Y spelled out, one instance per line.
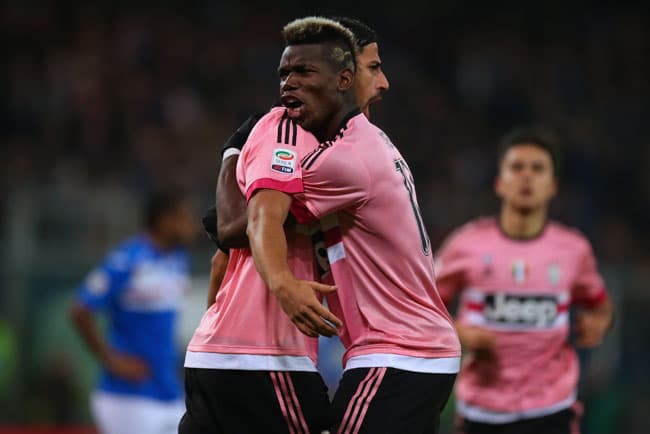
column 140, row 288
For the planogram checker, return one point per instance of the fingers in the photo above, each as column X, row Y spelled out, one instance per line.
column 304, row 328
column 327, row 315
column 313, row 327
column 322, row 288
column 317, row 323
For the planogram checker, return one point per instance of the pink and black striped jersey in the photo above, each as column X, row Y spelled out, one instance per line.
column 522, row 291
column 246, row 327
column 362, row 190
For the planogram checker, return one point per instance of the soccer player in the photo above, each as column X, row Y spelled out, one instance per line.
column 402, row 352
column 370, row 85
column 248, row 369
column 517, row 276
column 232, row 223
column 139, row 286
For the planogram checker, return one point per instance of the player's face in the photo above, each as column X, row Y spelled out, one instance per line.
column 181, row 224
column 526, row 180
column 370, row 82
column 310, row 88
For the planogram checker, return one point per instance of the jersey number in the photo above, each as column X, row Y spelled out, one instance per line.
column 403, row 168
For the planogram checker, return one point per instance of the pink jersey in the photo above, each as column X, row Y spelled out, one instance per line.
column 521, row 290
column 246, row 328
column 379, row 251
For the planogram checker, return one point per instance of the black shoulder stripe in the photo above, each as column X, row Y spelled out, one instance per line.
column 314, row 158
column 284, row 117
column 295, row 133
column 308, row 156
column 287, row 129
column 321, row 149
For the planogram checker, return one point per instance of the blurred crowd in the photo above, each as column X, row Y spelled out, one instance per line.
column 121, row 99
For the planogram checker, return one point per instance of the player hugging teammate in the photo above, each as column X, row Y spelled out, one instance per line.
column 317, row 160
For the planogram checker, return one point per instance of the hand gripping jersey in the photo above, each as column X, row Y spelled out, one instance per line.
column 522, row 291
column 141, row 288
column 379, row 251
column 246, row 327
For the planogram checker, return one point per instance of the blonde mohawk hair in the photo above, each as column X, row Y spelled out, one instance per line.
column 320, row 30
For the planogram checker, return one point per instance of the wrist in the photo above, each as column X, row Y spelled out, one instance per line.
column 279, row 282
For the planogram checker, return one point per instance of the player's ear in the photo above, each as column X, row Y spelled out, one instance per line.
column 346, row 79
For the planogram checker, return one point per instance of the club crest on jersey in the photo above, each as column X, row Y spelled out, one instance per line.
column 554, row 274
column 519, row 270
column 284, row 161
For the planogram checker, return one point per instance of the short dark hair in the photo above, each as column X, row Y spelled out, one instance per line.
column 538, row 136
column 319, row 30
column 363, row 34
column 160, row 203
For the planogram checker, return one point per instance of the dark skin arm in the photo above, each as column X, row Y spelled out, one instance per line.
column 121, row 365
column 218, row 266
column 268, row 210
column 231, row 207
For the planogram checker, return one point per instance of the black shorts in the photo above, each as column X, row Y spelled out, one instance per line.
column 563, row 422
column 390, row 401
column 237, row 402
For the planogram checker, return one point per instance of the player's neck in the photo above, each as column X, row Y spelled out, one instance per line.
column 522, row 225
column 337, row 122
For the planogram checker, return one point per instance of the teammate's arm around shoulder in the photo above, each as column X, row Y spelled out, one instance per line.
column 231, row 207
column 268, row 210
column 231, row 204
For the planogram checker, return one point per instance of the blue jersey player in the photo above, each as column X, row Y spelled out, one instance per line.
column 139, row 286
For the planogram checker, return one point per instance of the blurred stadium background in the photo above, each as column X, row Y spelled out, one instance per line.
column 101, row 102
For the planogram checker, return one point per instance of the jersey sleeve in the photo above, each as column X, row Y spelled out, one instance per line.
column 450, row 269
column 270, row 158
column 589, row 288
column 105, row 283
column 333, row 180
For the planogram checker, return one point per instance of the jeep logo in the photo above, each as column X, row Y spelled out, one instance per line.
column 539, row 311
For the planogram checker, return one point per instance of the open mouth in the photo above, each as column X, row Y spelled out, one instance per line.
column 526, row 191
column 294, row 106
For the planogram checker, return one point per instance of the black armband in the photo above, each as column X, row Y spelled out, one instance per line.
column 240, row 136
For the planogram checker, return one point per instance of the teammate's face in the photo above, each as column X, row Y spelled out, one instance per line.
column 180, row 225
column 526, row 180
column 370, row 82
column 310, row 87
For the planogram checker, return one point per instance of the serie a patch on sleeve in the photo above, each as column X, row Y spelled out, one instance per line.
column 284, row 161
